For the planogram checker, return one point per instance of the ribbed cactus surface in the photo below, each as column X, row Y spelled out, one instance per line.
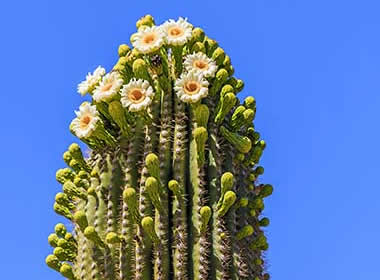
column 169, row 189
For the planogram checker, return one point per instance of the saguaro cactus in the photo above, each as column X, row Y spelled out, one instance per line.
column 170, row 187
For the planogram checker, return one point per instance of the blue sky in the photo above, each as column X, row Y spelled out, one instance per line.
column 314, row 68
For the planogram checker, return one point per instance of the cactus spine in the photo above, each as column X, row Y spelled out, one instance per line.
column 170, row 188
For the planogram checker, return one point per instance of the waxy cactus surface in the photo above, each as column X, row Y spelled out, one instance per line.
column 170, row 187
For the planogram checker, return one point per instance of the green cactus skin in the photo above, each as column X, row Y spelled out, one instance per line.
column 170, row 189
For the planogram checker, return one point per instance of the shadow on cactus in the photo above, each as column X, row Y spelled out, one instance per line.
column 170, row 188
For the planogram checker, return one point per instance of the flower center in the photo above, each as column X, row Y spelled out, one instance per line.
column 191, row 87
column 136, row 95
column 175, row 31
column 106, row 87
column 149, row 38
column 85, row 121
column 200, row 64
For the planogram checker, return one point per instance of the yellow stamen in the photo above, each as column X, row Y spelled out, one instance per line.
column 136, row 95
column 191, row 87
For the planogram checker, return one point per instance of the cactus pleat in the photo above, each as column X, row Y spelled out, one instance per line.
column 170, row 188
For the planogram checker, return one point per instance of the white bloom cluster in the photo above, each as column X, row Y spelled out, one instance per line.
column 91, row 80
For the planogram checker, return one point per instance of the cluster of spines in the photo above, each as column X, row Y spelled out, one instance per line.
column 171, row 194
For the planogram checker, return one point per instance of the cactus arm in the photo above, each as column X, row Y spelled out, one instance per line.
column 180, row 256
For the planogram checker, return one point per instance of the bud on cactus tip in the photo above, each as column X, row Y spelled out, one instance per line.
column 153, row 165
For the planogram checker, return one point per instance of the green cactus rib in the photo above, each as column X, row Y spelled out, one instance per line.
column 170, row 187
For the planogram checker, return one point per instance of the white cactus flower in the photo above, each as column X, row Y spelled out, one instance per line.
column 200, row 63
column 108, row 87
column 191, row 87
column 91, row 81
column 86, row 121
column 148, row 39
column 137, row 95
column 177, row 32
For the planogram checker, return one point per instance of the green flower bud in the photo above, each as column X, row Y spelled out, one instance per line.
column 245, row 232
column 83, row 175
column 71, row 189
column 198, row 47
column 92, row 191
column 230, row 69
column 65, row 174
column 239, row 157
column 153, row 190
column 258, row 261
column 61, row 254
column 228, row 200
column 112, row 238
column 91, row 234
column 248, row 115
column 227, row 102
column 252, row 177
column 62, row 198
column 264, row 222
column 67, row 157
column 266, row 276
column 218, row 56
column 243, row 202
column 259, row 170
column 63, row 243
column 226, row 182
column 76, row 152
column 146, row 20
column 81, row 183
column 67, row 271
column 81, row 219
column 251, row 187
column 242, row 143
column 62, row 210
column 237, row 84
column 53, row 240
column 250, row 103
column 258, row 204
column 60, row 230
column 226, row 89
column 237, row 118
column 252, row 212
column 74, row 164
column 53, row 262
column 198, row 35
column 140, row 69
column 201, row 136
column 202, row 114
column 130, row 198
column 147, row 224
column 117, row 113
column 153, row 165
column 259, row 243
column 220, row 79
column 123, row 50
column 205, row 213
column 267, row 190
column 227, row 61
column 69, row 237
column 174, row 187
column 210, row 45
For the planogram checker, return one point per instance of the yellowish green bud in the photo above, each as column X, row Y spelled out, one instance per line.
column 264, row 222
column 174, row 187
column 237, row 84
column 202, row 114
column 130, row 198
column 198, row 35
column 64, row 175
column 250, row 102
column 81, row 219
column 53, row 262
column 227, row 102
column 242, row 143
column 112, row 238
column 218, row 56
column 117, row 113
column 267, row 190
column 75, row 165
column 201, row 136
column 91, row 234
column 62, row 198
column 228, row 200
column 60, row 230
column 147, row 224
column 153, row 165
column 152, row 188
column 140, row 69
column 243, row 202
column 53, row 240
column 62, row 210
column 210, row 45
column 245, row 232
column 205, row 213
column 198, row 47
column 227, row 183
column 71, row 189
column 146, row 20
column 259, row 170
column 67, row 271
column 226, row 89
column 67, row 157
column 123, row 50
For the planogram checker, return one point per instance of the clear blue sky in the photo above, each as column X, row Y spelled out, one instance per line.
column 314, row 67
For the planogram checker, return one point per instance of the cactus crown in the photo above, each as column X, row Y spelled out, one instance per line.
column 170, row 189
